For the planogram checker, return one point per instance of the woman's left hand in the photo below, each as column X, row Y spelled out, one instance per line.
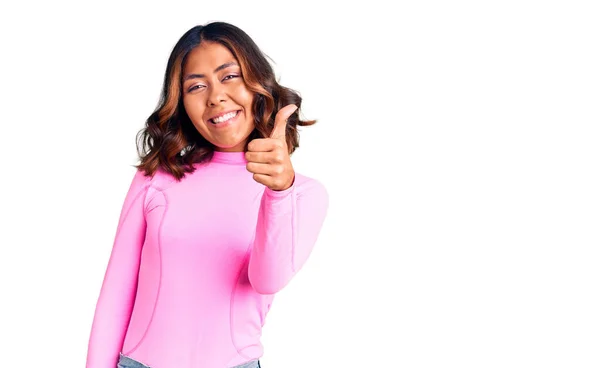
column 269, row 159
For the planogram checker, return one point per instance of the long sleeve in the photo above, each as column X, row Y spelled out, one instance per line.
column 288, row 225
column 117, row 295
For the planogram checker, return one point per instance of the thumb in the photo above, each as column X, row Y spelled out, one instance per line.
column 281, row 121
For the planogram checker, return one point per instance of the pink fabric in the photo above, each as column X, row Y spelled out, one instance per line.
column 195, row 265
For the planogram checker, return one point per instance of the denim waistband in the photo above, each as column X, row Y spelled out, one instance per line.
column 127, row 362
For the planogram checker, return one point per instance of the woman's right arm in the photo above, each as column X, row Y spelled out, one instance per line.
column 117, row 295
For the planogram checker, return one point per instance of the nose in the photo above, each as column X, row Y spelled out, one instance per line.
column 216, row 95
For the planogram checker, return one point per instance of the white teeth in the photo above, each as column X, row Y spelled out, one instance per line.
column 225, row 117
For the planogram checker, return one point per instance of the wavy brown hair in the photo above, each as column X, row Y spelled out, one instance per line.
column 169, row 141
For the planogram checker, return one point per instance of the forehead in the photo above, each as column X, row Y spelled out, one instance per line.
column 205, row 57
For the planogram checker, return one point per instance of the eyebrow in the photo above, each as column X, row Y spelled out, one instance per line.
column 226, row 65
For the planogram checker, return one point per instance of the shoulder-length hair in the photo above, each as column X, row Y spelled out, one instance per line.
column 169, row 141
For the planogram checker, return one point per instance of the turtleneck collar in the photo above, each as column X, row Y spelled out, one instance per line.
column 230, row 157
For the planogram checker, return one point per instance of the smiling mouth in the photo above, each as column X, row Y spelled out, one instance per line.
column 226, row 118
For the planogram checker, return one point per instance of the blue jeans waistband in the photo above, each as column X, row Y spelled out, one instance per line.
column 127, row 362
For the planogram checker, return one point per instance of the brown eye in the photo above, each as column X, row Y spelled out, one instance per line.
column 194, row 87
column 231, row 75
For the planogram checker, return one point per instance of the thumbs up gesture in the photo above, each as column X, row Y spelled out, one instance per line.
column 269, row 159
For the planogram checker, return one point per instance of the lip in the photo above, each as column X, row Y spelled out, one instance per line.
column 227, row 123
column 222, row 113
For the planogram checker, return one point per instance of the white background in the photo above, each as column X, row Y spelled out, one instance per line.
column 458, row 142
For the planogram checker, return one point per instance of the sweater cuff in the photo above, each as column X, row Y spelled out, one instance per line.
column 280, row 193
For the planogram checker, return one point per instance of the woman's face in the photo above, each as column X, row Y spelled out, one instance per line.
column 213, row 88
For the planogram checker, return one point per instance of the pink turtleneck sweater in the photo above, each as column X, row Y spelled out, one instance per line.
column 195, row 265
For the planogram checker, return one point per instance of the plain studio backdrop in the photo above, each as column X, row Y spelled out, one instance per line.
column 458, row 142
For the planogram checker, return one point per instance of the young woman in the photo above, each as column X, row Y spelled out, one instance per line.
column 216, row 220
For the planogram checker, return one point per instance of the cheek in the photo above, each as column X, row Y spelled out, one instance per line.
column 193, row 109
column 244, row 95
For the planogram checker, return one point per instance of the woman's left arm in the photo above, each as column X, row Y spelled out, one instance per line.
column 289, row 222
